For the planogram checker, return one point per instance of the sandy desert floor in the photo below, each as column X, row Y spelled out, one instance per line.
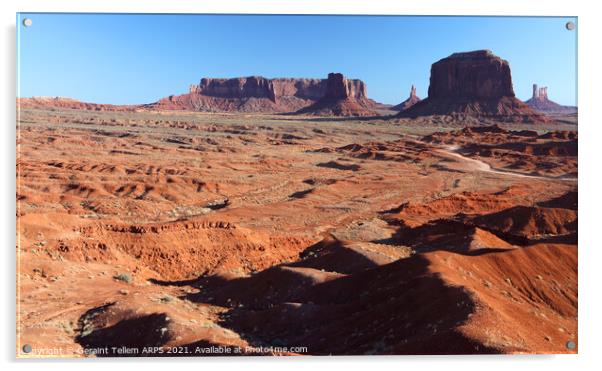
column 250, row 234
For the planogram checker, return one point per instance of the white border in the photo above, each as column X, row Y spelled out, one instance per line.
column 590, row 133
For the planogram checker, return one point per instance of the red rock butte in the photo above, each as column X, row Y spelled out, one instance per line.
column 476, row 83
column 343, row 97
column 335, row 96
column 412, row 100
column 540, row 102
column 263, row 95
column 246, row 94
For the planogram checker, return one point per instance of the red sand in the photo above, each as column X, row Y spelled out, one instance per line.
column 344, row 237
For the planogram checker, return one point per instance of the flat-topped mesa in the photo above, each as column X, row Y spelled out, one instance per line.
column 241, row 87
column 343, row 97
column 69, row 103
column 339, row 87
column 476, row 83
column 307, row 89
column 540, row 102
column 412, row 100
column 260, row 94
column 479, row 74
column 245, row 94
column 335, row 87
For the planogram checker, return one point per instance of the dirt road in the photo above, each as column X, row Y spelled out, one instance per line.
column 478, row 165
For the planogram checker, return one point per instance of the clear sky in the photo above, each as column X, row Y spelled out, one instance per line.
column 126, row 59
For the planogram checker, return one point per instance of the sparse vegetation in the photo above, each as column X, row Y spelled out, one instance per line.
column 258, row 215
column 124, row 277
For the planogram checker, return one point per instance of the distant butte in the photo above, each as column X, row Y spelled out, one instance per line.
column 412, row 100
column 476, row 83
column 540, row 102
column 69, row 103
column 246, row 94
column 335, row 96
column 279, row 95
column 343, row 97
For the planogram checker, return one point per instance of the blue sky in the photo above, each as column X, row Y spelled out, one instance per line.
column 126, row 59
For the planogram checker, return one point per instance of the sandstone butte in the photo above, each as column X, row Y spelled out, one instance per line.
column 337, row 96
column 246, row 94
column 343, row 97
column 334, row 96
column 540, row 102
column 412, row 100
column 476, row 83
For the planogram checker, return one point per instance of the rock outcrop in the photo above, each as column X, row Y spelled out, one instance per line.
column 338, row 87
column 69, row 103
column 412, row 100
column 306, row 89
column 260, row 94
column 477, row 75
column 246, row 94
column 476, row 83
column 254, row 94
column 343, row 97
column 245, row 87
column 540, row 102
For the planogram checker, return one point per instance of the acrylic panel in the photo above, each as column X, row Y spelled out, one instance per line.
column 201, row 185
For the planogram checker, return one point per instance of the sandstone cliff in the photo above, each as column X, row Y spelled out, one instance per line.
column 259, row 94
column 343, row 97
column 540, row 102
column 244, row 87
column 69, row 103
column 412, row 100
column 245, row 94
column 476, row 83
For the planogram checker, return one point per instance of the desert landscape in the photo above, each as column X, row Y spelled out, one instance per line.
column 298, row 216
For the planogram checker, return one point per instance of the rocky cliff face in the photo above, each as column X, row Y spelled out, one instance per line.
column 242, row 87
column 476, row 83
column 69, row 103
column 472, row 75
column 335, row 87
column 540, row 102
column 339, row 87
column 308, row 89
column 343, row 97
column 412, row 100
column 259, row 94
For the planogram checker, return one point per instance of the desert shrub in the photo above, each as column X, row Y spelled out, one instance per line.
column 125, row 277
